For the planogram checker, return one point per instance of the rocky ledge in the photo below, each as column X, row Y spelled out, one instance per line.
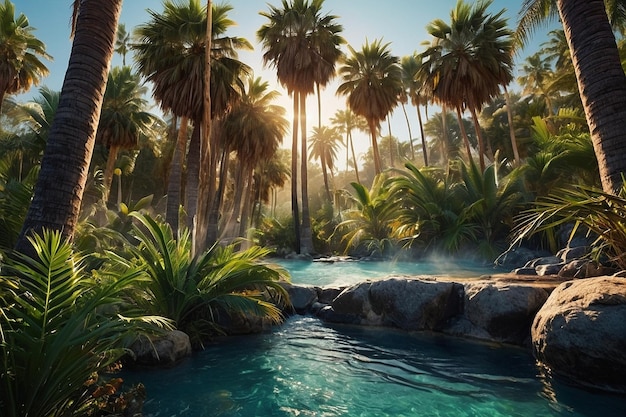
column 578, row 327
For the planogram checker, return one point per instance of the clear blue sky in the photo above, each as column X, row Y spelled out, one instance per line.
column 400, row 22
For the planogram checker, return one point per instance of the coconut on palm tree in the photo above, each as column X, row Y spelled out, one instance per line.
column 303, row 46
column 20, row 53
column 372, row 83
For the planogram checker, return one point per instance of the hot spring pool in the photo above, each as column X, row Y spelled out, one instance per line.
column 351, row 272
column 308, row 368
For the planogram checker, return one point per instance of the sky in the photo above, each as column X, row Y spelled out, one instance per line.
column 402, row 23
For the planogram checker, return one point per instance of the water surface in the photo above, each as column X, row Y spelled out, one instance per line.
column 308, row 368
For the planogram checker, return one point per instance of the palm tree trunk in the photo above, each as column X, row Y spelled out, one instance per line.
column 65, row 165
column 481, row 142
column 424, row 149
column 206, row 176
column 408, row 125
column 108, row 171
column 174, row 181
column 356, row 167
column 444, row 140
column 295, row 211
column 468, row 149
column 509, row 113
column 373, row 129
column 325, row 175
column 193, row 174
column 601, row 82
column 391, row 159
column 244, row 225
column 306, row 234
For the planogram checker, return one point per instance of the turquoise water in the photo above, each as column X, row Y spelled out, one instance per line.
column 308, row 368
column 352, row 272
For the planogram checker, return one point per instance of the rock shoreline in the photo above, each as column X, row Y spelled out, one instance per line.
column 576, row 329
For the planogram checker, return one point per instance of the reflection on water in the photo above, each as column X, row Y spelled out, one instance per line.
column 306, row 368
column 351, row 272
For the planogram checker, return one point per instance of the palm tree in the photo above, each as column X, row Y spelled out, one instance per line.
column 59, row 190
column 303, row 46
column 323, row 146
column 254, row 129
column 469, row 60
column 535, row 79
column 346, row 121
column 601, row 79
column 122, row 42
column 170, row 53
column 124, row 117
column 413, row 79
column 372, row 82
column 20, row 53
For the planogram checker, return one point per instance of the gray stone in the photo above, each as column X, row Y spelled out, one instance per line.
column 326, row 295
column 515, row 257
column 161, row 350
column 413, row 304
column 545, row 260
column 302, row 297
column 549, row 269
column 353, row 303
column 570, row 253
column 525, row 271
column 503, row 310
column 580, row 332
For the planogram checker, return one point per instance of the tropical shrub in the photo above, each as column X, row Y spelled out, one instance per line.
column 195, row 292
column 60, row 327
column 600, row 215
column 367, row 227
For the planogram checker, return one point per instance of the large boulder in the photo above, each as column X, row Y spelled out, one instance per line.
column 504, row 311
column 161, row 350
column 414, row 304
column 580, row 332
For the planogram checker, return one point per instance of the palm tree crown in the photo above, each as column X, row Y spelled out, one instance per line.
column 20, row 53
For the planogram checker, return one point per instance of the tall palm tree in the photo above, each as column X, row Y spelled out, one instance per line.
column 254, row 129
column 170, row 53
column 65, row 165
column 372, row 82
column 469, row 59
column 124, row 117
column 303, row 46
column 413, row 79
column 601, row 79
column 535, row 79
column 346, row 121
column 323, row 146
column 20, row 53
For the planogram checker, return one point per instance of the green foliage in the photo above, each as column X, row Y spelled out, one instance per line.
column 276, row 234
column 368, row 226
column 600, row 214
column 15, row 196
column 60, row 325
column 194, row 291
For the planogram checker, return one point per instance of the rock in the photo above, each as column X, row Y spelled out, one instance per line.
column 545, row 260
column 161, row 350
column 302, row 297
column 549, row 269
column 580, row 332
column 326, row 295
column 413, row 304
column 525, row 271
column 570, row 253
column 504, row 311
column 516, row 257
column 354, row 304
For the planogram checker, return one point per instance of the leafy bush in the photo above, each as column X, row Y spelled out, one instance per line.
column 60, row 326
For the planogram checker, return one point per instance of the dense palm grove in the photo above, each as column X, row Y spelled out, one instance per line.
column 131, row 222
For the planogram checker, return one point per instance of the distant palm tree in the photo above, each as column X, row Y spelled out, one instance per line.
column 469, row 59
column 303, row 46
column 323, row 146
column 122, row 42
column 20, row 53
column 601, row 78
column 372, row 82
column 413, row 79
column 59, row 190
column 124, row 117
column 535, row 79
column 346, row 121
